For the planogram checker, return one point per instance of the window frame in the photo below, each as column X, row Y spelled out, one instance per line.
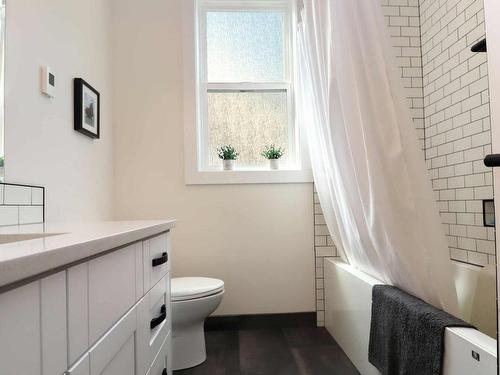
column 205, row 87
column 197, row 169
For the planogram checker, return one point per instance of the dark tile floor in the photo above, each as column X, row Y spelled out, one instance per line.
column 277, row 345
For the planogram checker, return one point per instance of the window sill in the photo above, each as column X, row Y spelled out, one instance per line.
column 281, row 176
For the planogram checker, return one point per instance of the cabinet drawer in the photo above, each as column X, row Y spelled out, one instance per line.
column 154, row 322
column 160, row 365
column 156, row 259
column 111, row 289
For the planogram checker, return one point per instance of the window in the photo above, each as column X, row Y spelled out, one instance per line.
column 245, row 81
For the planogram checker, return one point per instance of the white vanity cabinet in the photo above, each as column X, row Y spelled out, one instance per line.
column 111, row 289
column 33, row 327
column 114, row 353
column 106, row 315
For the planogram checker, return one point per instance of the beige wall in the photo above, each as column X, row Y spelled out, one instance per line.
column 257, row 238
column 41, row 146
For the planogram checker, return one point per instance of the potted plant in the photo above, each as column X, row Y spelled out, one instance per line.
column 273, row 154
column 228, row 154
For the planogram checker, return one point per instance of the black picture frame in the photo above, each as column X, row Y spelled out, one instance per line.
column 91, row 126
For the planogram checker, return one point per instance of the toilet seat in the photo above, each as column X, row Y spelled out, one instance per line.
column 186, row 288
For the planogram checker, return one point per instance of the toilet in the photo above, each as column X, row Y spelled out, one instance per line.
column 193, row 300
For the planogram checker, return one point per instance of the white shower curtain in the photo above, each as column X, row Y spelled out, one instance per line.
column 368, row 168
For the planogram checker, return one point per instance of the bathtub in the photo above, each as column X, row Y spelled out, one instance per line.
column 348, row 295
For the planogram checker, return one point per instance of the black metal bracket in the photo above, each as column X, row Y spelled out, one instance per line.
column 492, row 160
column 479, row 46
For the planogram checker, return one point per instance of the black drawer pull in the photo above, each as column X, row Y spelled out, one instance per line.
column 160, row 260
column 164, row 372
column 161, row 318
column 492, row 160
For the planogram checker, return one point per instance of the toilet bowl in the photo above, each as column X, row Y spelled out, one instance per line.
column 193, row 300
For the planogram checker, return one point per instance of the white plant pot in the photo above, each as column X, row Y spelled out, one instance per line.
column 228, row 165
column 274, row 163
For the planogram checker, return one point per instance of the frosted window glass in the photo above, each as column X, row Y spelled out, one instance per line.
column 245, row 46
column 249, row 121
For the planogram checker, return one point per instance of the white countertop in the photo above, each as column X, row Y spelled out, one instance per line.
column 73, row 242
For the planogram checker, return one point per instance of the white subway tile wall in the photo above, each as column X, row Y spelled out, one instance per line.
column 14, row 194
column 447, row 90
column 457, row 123
column 323, row 247
column 21, row 204
column 9, row 215
column 403, row 20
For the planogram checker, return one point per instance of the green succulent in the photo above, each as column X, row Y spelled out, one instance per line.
column 273, row 152
column 227, row 152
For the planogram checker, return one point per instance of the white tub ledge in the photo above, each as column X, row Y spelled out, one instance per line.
column 348, row 295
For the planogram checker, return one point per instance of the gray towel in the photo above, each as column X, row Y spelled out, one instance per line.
column 406, row 333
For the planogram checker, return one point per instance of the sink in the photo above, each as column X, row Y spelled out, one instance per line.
column 8, row 238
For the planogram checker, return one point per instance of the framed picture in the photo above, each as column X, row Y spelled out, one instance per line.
column 87, row 109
